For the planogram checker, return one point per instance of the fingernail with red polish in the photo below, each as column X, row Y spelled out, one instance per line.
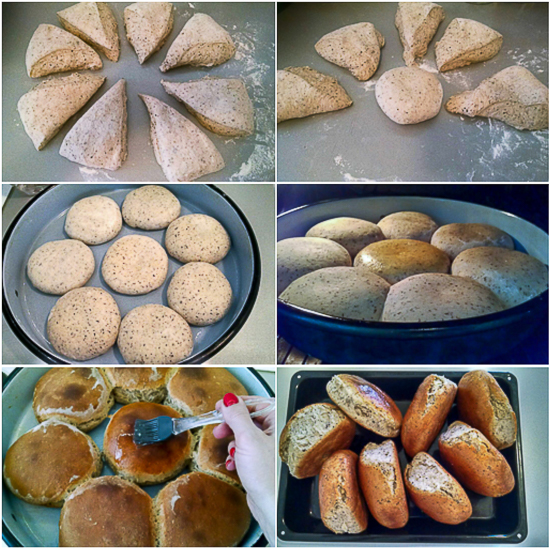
column 228, row 462
column 230, row 399
column 232, row 452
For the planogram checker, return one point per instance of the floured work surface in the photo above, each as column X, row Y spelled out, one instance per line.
column 361, row 144
column 252, row 28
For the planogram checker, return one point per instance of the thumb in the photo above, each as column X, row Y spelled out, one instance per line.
column 237, row 417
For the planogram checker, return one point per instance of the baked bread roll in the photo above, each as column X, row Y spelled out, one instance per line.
column 342, row 506
column 408, row 225
column 427, row 413
column 312, row 435
column 381, row 481
column 365, row 403
column 436, row 492
column 397, row 259
column 513, row 276
column 477, row 464
column 483, row 405
column 134, row 384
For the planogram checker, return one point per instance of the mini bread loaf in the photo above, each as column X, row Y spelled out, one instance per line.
column 352, row 233
column 150, row 207
column 365, row 403
column 135, row 384
column 397, row 259
column 312, row 435
column 381, row 481
column 513, row 276
column 483, row 405
column 342, row 506
column 107, row 511
column 454, row 238
column 408, row 225
column 50, row 461
column 436, row 492
column 427, row 413
column 199, row 510
column 79, row 396
column 477, row 464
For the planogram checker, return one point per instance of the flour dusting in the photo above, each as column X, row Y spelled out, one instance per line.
column 534, row 61
column 90, row 174
column 428, row 66
column 369, row 85
column 346, row 176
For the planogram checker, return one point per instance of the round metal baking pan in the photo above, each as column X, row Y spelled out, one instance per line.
column 25, row 524
column 344, row 341
column 26, row 309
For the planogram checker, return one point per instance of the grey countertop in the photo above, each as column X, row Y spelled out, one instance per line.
column 252, row 27
column 360, row 144
column 533, row 398
column 254, row 344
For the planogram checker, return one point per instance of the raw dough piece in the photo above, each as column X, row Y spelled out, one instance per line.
column 465, row 42
column 221, row 105
column 408, row 225
column 94, row 23
column 201, row 42
column 45, row 108
column 355, row 47
column 99, row 138
column 409, row 95
column 184, row 152
column 417, row 23
column 303, row 91
column 513, row 95
column 148, row 25
column 53, row 50
column 59, row 266
column 150, row 207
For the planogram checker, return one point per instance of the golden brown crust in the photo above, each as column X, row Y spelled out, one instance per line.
column 342, row 506
column 483, row 405
column 427, row 413
column 475, row 461
column 381, row 481
column 134, row 384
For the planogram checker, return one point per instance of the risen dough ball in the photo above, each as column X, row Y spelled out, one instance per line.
column 150, row 207
column 408, row 225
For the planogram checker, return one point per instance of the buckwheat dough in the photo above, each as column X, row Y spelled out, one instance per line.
column 417, row 23
column 221, row 105
column 354, row 47
column 99, row 138
column 409, row 95
column 150, row 207
column 303, row 91
column 53, row 50
column 201, row 42
column 513, row 95
column 94, row 23
column 465, row 42
column 408, row 225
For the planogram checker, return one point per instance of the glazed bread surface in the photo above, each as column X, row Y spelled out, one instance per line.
column 135, row 384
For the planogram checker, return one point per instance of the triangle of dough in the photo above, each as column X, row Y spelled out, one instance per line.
column 99, row 138
column 417, row 23
column 201, row 42
column 221, row 105
column 513, row 95
column 53, row 50
column 184, row 152
column 303, row 91
column 95, row 23
column 45, row 108
column 465, row 42
column 355, row 47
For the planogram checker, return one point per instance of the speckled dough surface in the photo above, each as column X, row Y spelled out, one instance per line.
column 84, row 323
column 340, row 291
column 303, row 91
column 352, row 233
column 197, row 238
column 301, row 255
column 409, row 95
column 465, row 42
column 150, row 207
column 94, row 220
column 354, row 47
column 59, row 266
column 438, row 297
column 154, row 335
column 200, row 293
column 513, row 95
column 135, row 264
column 408, row 225
column 513, row 276
column 53, row 50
